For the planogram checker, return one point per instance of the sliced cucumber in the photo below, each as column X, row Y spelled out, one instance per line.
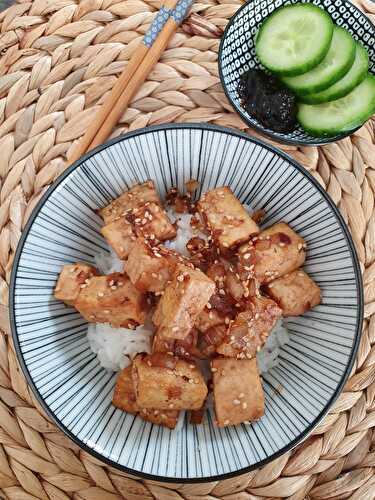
column 342, row 115
column 335, row 65
column 294, row 39
column 346, row 84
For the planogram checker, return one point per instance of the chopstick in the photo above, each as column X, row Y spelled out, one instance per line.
column 143, row 60
column 142, row 72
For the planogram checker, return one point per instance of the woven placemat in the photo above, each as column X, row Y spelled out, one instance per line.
column 59, row 59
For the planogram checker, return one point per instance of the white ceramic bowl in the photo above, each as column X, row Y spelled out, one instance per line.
column 50, row 338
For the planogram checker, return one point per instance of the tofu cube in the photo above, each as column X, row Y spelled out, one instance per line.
column 112, row 299
column 148, row 221
column 152, row 222
column 124, row 394
column 207, row 319
column 136, row 196
column 70, row 280
column 183, row 300
column 185, row 348
column 238, row 391
column 249, row 331
column 226, row 218
column 274, row 252
column 211, row 339
column 165, row 382
column 150, row 268
column 124, row 399
column 168, row 418
column 119, row 234
column 295, row 293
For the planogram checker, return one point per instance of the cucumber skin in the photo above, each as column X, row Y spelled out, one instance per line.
column 323, row 86
column 357, row 122
column 303, row 68
column 319, row 99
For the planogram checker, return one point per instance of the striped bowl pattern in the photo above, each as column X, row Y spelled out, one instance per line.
column 50, row 338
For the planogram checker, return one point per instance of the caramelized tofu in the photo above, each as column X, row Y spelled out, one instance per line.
column 120, row 236
column 136, row 196
column 295, row 293
column 207, row 319
column 112, row 299
column 148, row 221
column 71, row 278
column 238, row 392
column 168, row 418
column 124, row 398
column 150, row 268
column 185, row 348
column 211, row 339
column 273, row 253
column 152, row 222
column 183, row 300
column 124, row 394
column 226, row 218
column 165, row 382
column 249, row 331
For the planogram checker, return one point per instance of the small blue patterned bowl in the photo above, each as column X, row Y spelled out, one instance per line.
column 237, row 55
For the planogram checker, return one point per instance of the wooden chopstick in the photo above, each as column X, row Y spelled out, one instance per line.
column 142, row 72
column 84, row 144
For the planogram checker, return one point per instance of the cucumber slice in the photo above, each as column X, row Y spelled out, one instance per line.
column 335, row 65
column 347, row 83
column 294, row 39
column 342, row 115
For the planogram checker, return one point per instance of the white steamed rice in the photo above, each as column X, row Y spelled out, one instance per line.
column 116, row 347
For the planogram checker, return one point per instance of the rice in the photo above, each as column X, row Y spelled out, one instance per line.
column 116, row 347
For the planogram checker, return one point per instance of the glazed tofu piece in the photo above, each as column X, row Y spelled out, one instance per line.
column 226, row 218
column 165, row 382
column 124, row 394
column 273, row 253
column 70, row 280
column 150, row 268
column 148, row 221
column 238, row 392
column 295, row 293
column 183, row 300
column 119, row 234
column 207, row 319
column 136, row 196
column 152, row 222
column 185, row 348
column 124, row 398
column 112, row 299
column 249, row 331
column 211, row 339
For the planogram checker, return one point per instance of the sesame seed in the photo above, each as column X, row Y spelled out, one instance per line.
column 210, row 315
column 281, row 244
column 154, row 275
column 244, row 406
column 300, row 274
column 143, row 222
column 111, row 283
column 256, row 316
column 247, row 256
column 191, row 381
column 227, row 320
column 241, row 395
column 232, row 337
column 226, row 422
column 114, row 287
column 214, row 369
column 175, row 329
column 83, row 286
column 222, row 291
column 170, row 405
column 137, row 220
column 100, row 294
column 106, row 311
column 236, row 402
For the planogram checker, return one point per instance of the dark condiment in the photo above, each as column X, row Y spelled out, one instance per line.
column 267, row 100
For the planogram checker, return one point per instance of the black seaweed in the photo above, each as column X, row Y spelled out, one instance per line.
column 267, row 100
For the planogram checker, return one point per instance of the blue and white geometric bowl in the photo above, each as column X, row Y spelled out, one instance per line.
column 50, row 338
column 237, row 54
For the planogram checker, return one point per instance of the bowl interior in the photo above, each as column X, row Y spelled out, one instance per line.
column 51, row 338
column 237, row 53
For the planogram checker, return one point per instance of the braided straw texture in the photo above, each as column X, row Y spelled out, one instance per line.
column 59, row 59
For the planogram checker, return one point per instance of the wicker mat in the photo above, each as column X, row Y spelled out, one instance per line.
column 59, row 58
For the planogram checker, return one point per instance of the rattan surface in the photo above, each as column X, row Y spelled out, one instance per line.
column 59, row 58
